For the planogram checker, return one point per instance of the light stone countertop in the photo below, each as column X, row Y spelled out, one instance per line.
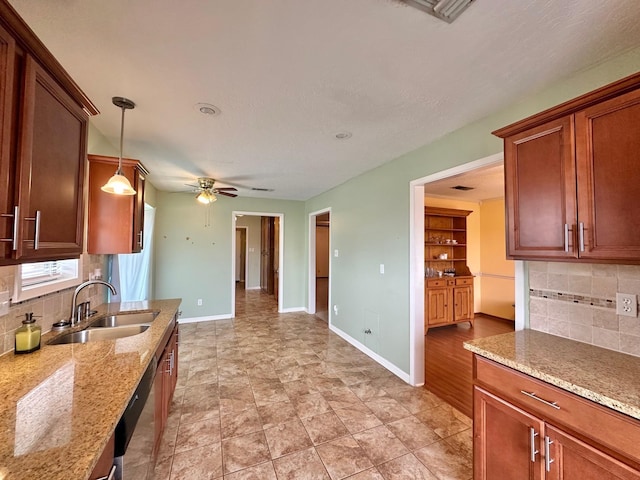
column 60, row 405
column 607, row 377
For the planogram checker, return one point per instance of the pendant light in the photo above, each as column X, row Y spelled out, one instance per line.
column 119, row 184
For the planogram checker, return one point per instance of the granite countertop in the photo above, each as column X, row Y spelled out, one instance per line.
column 60, row 405
column 607, row 377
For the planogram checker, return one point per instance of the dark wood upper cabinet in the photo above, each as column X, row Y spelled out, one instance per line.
column 540, row 187
column 115, row 223
column 572, row 179
column 43, row 143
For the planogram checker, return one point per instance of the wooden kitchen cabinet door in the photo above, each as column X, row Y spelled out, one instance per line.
column 540, row 191
column 50, row 169
column 607, row 163
column 7, row 106
column 571, row 458
column 502, row 447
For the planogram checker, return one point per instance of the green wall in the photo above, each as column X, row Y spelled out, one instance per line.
column 370, row 215
column 194, row 260
column 369, row 226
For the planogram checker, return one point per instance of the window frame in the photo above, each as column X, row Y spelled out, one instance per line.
column 22, row 291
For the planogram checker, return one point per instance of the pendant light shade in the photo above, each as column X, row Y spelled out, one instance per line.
column 119, row 184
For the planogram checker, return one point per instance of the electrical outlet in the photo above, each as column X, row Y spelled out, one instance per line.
column 336, row 253
column 627, row 304
column 199, row 302
column 382, row 268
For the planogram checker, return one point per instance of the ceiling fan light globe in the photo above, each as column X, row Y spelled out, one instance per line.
column 206, row 198
column 118, row 185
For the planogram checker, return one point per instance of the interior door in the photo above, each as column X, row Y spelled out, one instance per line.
column 276, row 256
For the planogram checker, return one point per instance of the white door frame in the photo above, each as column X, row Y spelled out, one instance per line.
column 246, row 253
column 311, row 296
column 416, row 264
column 281, row 272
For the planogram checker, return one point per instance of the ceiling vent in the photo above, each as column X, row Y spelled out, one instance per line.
column 447, row 10
column 462, row 188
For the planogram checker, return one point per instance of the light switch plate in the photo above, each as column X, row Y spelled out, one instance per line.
column 4, row 303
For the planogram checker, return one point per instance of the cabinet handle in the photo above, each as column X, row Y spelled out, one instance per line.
column 547, row 454
column 168, row 360
column 16, row 223
column 532, row 444
column 566, row 237
column 535, row 397
column 140, row 238
column 581, row 236
column 112, row 474
column 36, row 235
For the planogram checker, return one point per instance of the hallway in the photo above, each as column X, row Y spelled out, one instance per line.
column 278, row 396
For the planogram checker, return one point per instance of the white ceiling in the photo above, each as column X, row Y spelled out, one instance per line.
column 289, row 74
column 486, row 183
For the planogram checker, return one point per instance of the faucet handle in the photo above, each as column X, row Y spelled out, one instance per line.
column 80, row 312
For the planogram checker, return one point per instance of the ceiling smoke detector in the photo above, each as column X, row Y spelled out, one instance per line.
column 447, row 10
column 207, row 109
column 462, row 188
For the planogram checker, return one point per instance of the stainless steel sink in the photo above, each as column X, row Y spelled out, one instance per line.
column 120, row 319
column 97, row 334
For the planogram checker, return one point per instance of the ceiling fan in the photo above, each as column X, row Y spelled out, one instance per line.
column 207, row 192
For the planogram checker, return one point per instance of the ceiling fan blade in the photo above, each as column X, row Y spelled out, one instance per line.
column 233, row 195
column 229, row 189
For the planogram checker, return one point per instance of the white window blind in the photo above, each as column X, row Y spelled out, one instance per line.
column 35, row 279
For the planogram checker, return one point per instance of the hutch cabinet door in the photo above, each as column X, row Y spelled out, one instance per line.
column 438, row 306
column 50, row 171
column 506, row 440
column 462, row 303
column 540, row 191
column 607, row 159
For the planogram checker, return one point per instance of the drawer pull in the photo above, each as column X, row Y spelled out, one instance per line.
column 532, row 443
column 547, row 454
column 534, row 396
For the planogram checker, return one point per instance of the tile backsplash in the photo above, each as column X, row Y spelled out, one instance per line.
column 578, row 301
column 49, row 308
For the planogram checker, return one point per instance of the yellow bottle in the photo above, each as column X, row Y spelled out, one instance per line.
column 28, row 335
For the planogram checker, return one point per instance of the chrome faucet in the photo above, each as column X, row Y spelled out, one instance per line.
column 72, row 318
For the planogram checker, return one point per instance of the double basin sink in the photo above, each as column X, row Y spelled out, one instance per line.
column 110, row 327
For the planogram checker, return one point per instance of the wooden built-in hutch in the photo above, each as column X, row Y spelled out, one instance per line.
column 448, row 282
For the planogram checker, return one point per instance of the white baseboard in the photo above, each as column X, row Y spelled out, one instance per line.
column 293, row 309
column 209, row 318
column 252, row 288
column 370, row 353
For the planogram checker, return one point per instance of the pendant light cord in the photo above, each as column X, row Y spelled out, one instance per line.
column 119, row 172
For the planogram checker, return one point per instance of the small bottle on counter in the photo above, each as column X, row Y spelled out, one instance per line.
column 28, row 335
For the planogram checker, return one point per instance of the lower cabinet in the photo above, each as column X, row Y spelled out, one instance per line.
column 448, row 301
column 165, row 384
column 564, row 437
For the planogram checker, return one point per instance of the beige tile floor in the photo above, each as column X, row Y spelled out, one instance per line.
column 278, row 396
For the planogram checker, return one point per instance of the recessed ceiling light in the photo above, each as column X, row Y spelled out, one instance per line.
column 207, row 109
column 343, row 135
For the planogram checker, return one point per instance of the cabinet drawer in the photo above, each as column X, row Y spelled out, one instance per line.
column 438, row 282
column 464, row 281
column 617, row 433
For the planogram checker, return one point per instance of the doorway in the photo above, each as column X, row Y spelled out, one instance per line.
column 241, row 256
column 252, row 222
column 319, row 264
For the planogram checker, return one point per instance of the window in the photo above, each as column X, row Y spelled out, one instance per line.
column 35, row 279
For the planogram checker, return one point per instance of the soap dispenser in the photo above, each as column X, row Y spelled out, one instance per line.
column 28, row 335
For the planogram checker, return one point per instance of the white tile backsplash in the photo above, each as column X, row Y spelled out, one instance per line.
column 570, row 315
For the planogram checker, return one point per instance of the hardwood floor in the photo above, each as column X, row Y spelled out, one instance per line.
column 448, row 368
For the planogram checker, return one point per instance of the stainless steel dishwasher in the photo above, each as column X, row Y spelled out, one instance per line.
column 135, row 432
